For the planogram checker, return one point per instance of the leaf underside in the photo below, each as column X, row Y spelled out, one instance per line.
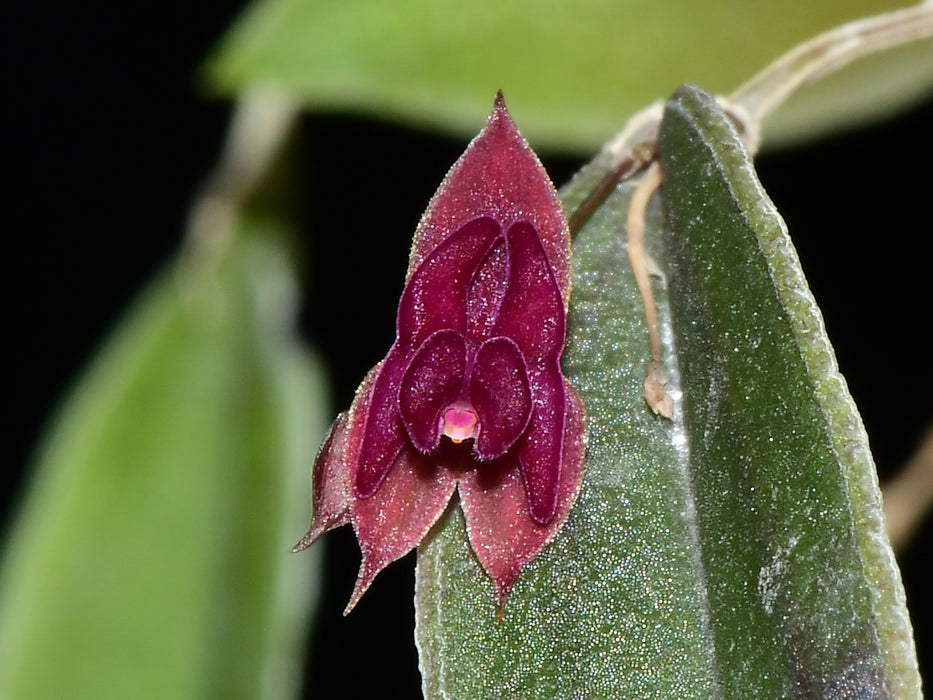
column 736, row 551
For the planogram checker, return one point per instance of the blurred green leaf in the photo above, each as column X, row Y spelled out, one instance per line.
column 572, row 71
column 737, row 551
column 150, row 559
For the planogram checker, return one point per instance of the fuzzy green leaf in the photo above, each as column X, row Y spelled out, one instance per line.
column 150, row 559
column 737, row 551
column 573, row 68
column 803, row 591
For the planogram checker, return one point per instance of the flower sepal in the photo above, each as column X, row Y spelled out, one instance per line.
column 471, row 396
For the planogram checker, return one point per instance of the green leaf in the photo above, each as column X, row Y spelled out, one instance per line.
column 801, row 581
column 737, row 551
column 150, row 559
column 571, row 70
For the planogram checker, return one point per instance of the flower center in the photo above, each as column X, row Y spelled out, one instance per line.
column 460, row 423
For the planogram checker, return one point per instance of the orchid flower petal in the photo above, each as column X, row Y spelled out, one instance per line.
column 435, row 297
column 540, row 451
column 495, row 503
column 499, row 175
column 500, row 393
column 381, row 435
column 532, row 311
column 330, row 484
column 532, row 314
column 397, row 517
column 486, row 292
column 432, row 382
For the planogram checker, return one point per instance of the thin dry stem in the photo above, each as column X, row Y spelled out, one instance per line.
column 758, row 98
column 657, row 398
column 628, row 166
column 262, row 120
column 909, row 497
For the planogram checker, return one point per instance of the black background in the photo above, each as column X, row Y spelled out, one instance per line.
column 108, row 135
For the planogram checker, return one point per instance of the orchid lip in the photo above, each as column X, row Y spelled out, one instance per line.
column 459, row 423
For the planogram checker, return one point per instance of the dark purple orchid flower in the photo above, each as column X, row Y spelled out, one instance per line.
column 471, row 395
